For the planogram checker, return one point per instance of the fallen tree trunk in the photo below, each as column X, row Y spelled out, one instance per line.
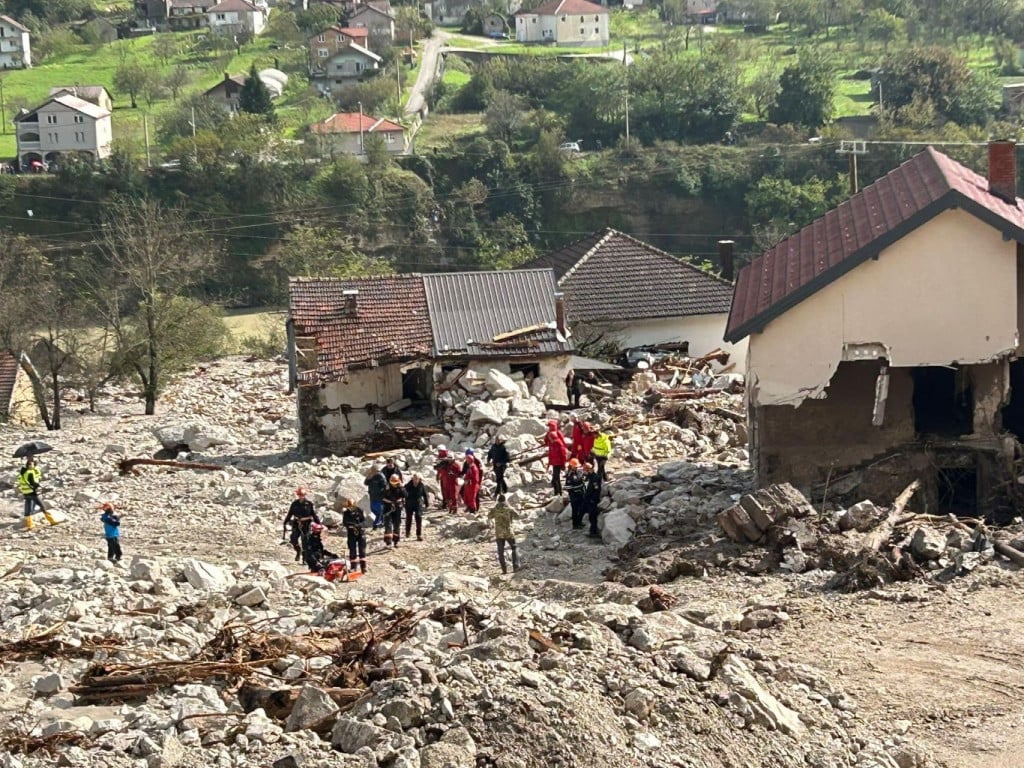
column 127, row 466
column 881, row 534
column 1012, row 554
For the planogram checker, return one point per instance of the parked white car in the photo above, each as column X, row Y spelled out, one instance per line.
column 569, row 147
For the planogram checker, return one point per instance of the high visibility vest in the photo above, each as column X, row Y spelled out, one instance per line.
column 602, row 446
column 25, row 479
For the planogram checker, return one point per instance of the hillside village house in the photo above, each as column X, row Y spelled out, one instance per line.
column 353, row 364
column 349, row 65
column 61, row 125
column 189, row 14
column 328, row 42
column 347, row 133
column 885, row 340
column 15, row 44
column 94, row 94
column 234, row 17
column 635, row 294
column 564, row 22
column 227, row 91
column 379, row 22
column 495, row 24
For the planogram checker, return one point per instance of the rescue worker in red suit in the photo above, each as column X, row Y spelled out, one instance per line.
column 576, row 436
column 448, row 471
column 558, row 455
column 583, row 448
column 471, row 482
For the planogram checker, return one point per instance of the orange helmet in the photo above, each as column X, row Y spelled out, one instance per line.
column 574, row 463
column 395, row 480
column 300, row 492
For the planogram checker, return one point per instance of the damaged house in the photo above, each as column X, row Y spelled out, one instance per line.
column 884, row 340
column 628, row 291
column 361, row 350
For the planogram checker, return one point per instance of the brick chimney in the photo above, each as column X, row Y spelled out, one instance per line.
column 726, row 262
column 1002, row 169
column 350, row 298
column 560, row 313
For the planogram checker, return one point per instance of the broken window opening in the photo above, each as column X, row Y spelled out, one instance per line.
column 1013, row 411
column 943, row 401
column 416, row 384
column 530, row 371
column 958, row 491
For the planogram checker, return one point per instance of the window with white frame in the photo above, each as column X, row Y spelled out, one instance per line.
column 79, row 118
column 322, row 52
column 51, row 119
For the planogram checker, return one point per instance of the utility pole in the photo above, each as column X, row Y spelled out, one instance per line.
column 195, row 145
column 851, row 149
column 398, row 76
column 627, row 93
column 145, row 130
column 3, row 107
column 360, row 127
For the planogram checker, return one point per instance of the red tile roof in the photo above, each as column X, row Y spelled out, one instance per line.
column 239, row 6
column 390, row 324
column 555, row 7
column 860, row 228
column 612, row 276
column 348, row 122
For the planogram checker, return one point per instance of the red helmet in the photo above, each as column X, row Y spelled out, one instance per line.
column 552, row 424
column 574, row 463
column 300, row 492
column 318, row 527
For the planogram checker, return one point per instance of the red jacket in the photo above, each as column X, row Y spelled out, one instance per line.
column 581, row 449
column 577, row 436
column 558, row 454
column 471, row 472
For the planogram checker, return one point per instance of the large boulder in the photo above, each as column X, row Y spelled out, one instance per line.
column 523, row 425
column 349, row 735
column 488, row 412
column 521, row 444
column 170, row 437
column 207, row 577
column 500, row 384
column 618, row 528
column 523, row 406
column 312, row 709
column 202, row 436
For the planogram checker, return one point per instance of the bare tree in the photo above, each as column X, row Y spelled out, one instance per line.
column 151, row 256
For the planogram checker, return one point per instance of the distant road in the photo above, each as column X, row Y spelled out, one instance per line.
column 428, row 70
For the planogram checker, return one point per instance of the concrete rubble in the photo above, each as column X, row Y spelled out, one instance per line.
column 570, row 662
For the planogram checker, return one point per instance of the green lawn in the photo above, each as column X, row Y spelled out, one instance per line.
column 440, row 128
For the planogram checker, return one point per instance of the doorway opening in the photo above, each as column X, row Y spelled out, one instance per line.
column 943, row 401
column 958, row 491
column 1013, row 411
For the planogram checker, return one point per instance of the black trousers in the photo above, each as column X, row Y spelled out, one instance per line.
column 357, row 550
column 601, row 461
column 410, row 514
column 576, row 501
column 113, row 548
column 556, row 480
column 499, row 479
column 392, row 525
column 592, row 512
column 501, row 554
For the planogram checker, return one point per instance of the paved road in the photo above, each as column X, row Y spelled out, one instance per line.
column 428, row 69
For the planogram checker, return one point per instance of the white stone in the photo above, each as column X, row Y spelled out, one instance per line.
column 312, row 708
column 527, row 407
column 207, row 577
column 500, row 384
column 765, row 706
column 618, row 528
column 251, row 597
column 50, row 683
column 458, row 582
column 488, row 412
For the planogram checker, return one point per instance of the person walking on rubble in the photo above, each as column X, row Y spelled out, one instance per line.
column 417, row 500
column 502, row 515
column 558, row 454
column 300, row 516
column 448, row 472
column 592, row 497
column 27, row 483
column 111, row 531
column 471, row 482
column 601, row 451
column 576, row 485
column 394, row 505
column 376, row 484
column 497, row 459
column 573, row 388
column 391, row 469
column 354, row 520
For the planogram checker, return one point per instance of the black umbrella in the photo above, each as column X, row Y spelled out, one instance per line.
column 32, row 448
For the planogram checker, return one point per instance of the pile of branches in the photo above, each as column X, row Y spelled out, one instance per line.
column 48, row 645
column 16, row 738
column 240, row 652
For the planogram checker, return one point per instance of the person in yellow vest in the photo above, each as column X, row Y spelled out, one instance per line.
column 601, row 451
column 27, row 483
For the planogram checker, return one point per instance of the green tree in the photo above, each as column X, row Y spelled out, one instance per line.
column 504, row 115
column 788, row 206
column 164, row 47
column 936, row 75
column 131, row 78
column 177, row 79
column 317, row 18
column 254, row 97
column 806, row 92
column 177, row 120
column 884, row 27
column 283, row 27
column 319, row 251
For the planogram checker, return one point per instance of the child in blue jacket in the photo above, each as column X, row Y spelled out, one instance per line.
column 112, row 531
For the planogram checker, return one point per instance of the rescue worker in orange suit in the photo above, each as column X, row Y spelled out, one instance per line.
column 471, row 481
column 448, row 472
column 394, row 506
column 558, row 454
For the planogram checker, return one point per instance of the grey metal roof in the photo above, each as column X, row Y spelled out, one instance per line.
column 467, row 309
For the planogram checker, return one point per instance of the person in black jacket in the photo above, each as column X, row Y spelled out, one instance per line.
column 376, row 484
column 592, row 496
column 317, row 556
column 417, row 500
column 354, row 520
column 576, row 485
column 394, row 503
column 300, row 516
column 497, row 458
column 391, row 469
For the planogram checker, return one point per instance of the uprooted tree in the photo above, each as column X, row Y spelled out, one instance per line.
column 150, row 256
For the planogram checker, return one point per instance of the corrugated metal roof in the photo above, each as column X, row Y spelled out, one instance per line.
column 859, row 228
column 467, row 309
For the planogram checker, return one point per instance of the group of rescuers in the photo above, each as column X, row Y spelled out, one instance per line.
column 582, row 459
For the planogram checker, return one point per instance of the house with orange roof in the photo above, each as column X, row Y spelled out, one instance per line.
column 347, row 133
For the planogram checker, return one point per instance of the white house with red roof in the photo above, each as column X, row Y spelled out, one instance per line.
column 564, row 22
column 15, row 47
column 348, row 132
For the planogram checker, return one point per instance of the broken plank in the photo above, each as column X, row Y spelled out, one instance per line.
column 127, row 466
column 1012, row 554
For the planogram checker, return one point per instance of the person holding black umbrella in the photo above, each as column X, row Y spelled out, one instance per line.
column 27, row 483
